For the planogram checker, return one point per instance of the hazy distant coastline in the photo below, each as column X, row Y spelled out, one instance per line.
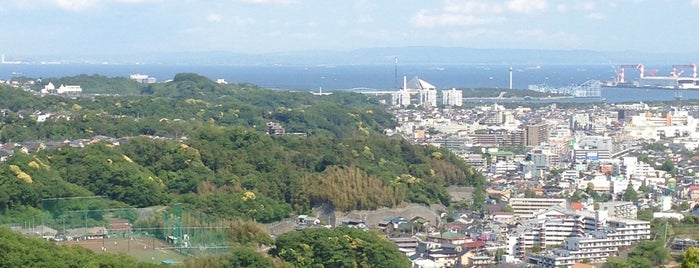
column 387, row 55
column 343, row 77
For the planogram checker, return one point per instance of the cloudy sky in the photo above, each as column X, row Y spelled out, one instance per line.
column 59, row 27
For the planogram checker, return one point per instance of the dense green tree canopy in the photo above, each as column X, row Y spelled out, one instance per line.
column 226, row 155
column 16, row 250
column 339, row 247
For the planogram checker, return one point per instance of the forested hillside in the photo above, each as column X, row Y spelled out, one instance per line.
column 344, row 160
column 204, row 146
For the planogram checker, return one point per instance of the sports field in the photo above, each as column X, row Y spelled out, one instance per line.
column 143, row 249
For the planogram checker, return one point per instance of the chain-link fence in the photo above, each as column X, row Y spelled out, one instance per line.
column 158, row 234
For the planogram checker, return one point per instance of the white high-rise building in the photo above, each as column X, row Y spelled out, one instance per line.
column 426, row 91
column 400, row 98
column 428, row 97
column 452, row 97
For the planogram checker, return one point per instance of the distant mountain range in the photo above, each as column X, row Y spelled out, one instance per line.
column 388, row 55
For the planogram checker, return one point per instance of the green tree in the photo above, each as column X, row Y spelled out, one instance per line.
column 643, row 188
column 339, row 247
column 590, row 190
column 650, row 251
column 668, row 166
column 248, row 233
column 248, row 257
column 645, row 214
column 630, row 194
column 681, row 206
column 690, row 258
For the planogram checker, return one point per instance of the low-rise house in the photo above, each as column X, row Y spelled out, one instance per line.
column 448, row 238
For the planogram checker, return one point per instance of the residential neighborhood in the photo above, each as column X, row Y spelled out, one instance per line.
column 566, row 185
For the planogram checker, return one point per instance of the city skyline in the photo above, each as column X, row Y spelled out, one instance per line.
column 117, row 27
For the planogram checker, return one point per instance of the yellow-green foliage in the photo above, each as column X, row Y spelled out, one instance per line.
column 248, row 195
column 15, row 169
column 195, row 102
column 41, row 163
column 127, row 159
column 33, row 164
column 21, row 174
column 349, row 188
column 408, row 179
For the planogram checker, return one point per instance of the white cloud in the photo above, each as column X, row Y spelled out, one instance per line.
column 213, row 17
column 373, row 35
column 139, row 1
column 590, row 6
column 426, row 20
column 365, row 19
column 75, row 4
column 595, row 16
column 562, row 8
column 470, row 34
column 239, row 21
column 550, row 39
column 527, row 6
column 282, row 2
column 79, row 5
column 472, row 7
column 695, row 3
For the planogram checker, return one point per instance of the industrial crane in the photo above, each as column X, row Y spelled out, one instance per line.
column 683, row 67
column 620, row 74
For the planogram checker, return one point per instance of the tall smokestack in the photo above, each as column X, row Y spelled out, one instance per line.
column 405, row 82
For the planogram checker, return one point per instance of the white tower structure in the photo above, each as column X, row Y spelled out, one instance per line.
column 402, row 97
column 510, row 77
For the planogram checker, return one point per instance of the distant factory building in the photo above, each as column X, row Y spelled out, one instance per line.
column 50, row 88
column 452, row 97
column 142, row 78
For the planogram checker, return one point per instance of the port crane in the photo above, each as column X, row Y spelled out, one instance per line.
column 620, row 76
column 682, row 68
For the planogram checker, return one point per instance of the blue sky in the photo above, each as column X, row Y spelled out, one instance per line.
column 84, row 27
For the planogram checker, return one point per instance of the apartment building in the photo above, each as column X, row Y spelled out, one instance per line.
column 525, row 208
column 452, row 97
column 620, row 209
column 596, row 246
column 555, row 226
column 536, row 134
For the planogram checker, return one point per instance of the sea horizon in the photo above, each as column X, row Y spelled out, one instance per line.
column 382, row 77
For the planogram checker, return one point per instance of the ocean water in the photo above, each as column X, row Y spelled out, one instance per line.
column 345, row 77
